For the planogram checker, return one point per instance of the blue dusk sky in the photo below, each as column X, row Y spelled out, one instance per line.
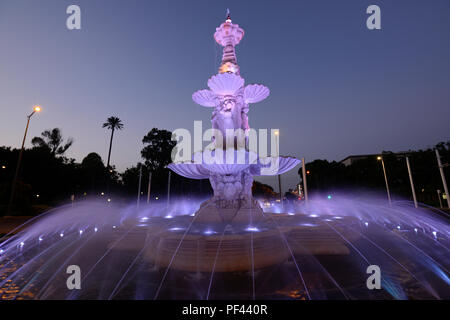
column 337, row 88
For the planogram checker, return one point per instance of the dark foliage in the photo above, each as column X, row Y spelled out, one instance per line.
column 367, row 174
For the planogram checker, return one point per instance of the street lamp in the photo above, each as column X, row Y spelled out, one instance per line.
column 139, row 186
column 441, row 170
column 411, row 181
column 13, row 187
column 380, row 158
column 305, row 172
column 439, row 197
column 277, row 133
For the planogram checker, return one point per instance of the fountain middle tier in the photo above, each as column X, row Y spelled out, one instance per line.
column 231, row 176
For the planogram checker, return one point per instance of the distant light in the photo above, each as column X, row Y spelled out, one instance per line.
column 109, row 200
column 308, row 172
column 366, row 223
column 144, row 219
column 114, row 227
column 329, row 220
column 398, row 227
column 61, row 235
column 102, row 193
column 175, row 229
column 337, row 217
column 95, row 229
column 3, row 167
column 434, row 233
column 1, row 251
column 85, row 194
column 329, row 196
column 156, row 198
column 208, row 232
column 22, row 244
column 40, row 239
column 277, row 132
column 415, row 229
column 37, row 108
column 291, row 214
column 252, row 229
column 313, row 215
column 37, row 196
column 308, row 225
column 192, row 215
column 379, row 158
column 168, row 216
column 81, row 232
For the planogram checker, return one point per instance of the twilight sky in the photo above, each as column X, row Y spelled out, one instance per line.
column 337, row 88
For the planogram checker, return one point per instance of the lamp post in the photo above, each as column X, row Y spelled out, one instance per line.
column 380, row 158
column 16, row 175
column 411, row 182
column 305, row 188
column 444, row 182
column 168, row 188
column 277, row 133
column 439, row 198
column 149, row 185
column 139, row 186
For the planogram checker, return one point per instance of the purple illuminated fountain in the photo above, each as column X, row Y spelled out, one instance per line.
column 230, row 162
column 228, row 247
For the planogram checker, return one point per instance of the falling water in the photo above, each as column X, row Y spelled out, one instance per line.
column 319, row 250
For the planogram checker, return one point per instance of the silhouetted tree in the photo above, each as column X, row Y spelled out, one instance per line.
column 112, row 123
column 158, row 149
column 94, row 171
column 261, row 190
column 53, row 141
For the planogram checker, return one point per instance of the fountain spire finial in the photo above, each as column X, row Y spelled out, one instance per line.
column 228, row 35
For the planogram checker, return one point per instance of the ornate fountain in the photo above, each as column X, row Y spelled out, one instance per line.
column 230, row 162
column 230, row 248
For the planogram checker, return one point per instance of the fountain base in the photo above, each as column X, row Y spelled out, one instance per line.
column 218, row 210
column 210, row 243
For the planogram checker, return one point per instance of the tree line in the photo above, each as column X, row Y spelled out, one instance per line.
column 48, row 178
column 366, row 175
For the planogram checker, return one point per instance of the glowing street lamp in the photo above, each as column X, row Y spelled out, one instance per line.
column 380, row 158
column 13, row 187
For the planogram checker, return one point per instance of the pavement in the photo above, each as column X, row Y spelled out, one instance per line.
column 7, row 224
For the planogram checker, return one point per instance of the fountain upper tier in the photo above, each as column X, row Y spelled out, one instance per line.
column 230, row 98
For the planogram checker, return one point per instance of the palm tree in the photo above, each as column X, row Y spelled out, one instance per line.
column 112, row 123
column 53, row 141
